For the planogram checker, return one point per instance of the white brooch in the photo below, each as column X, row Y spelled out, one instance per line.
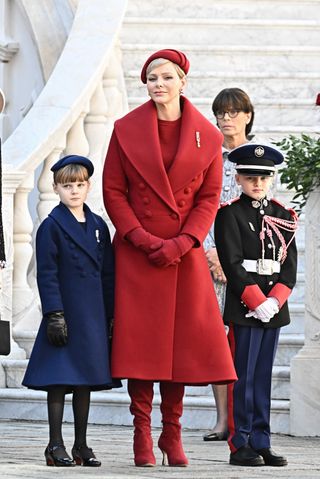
column 198, row 138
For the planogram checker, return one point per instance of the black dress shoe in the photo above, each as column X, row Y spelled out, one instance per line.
column 246, row 456
column 271, row 458
column 57, row 456
column 215, row 436
column 84, row 456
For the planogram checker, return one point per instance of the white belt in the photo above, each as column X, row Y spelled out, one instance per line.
column 261, row 266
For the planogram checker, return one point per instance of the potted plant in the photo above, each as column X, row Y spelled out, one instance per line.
column 301, row 172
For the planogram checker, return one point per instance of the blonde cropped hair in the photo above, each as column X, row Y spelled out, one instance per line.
column 161, row 61
column 70, row 174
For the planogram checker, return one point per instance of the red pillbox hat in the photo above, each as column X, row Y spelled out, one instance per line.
column 173, row 56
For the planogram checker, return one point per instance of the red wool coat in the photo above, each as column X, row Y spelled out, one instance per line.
column 167, row 320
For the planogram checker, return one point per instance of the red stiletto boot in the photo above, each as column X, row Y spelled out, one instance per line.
column 170, row 439
column 141, row 394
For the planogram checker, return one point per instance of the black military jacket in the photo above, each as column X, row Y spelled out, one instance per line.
column 237, row 227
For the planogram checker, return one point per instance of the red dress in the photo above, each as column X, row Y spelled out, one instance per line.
column 168, row 325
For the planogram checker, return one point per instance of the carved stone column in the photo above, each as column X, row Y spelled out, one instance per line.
column 11, row 179
column 95, row 130
column 305, row 366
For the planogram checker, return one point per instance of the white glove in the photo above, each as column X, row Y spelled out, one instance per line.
column 266, row 310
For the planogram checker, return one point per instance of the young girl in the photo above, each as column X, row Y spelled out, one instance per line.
column 255, row 243
column 75, row 275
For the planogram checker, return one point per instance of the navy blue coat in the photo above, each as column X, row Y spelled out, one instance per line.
column 75, row 274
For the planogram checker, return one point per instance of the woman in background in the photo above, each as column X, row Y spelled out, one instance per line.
column 234, row 114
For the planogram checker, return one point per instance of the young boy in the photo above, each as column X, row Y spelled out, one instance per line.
column 75, row 277
column 255, row 243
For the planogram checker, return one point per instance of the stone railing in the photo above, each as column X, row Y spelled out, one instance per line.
column 73, row 114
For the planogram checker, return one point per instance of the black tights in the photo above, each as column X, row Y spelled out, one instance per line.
column 80, row 406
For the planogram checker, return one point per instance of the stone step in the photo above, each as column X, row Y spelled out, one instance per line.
column 280, row 385
column 281, row 113
column 113, row 408
column 221, row 31
column 288, row 346
column 250, row 9
column 298, row 292
column 259, row 84
column 296, row 325
column 240, row 58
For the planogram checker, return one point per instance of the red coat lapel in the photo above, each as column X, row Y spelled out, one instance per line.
column 137, row 134
column 200, row 142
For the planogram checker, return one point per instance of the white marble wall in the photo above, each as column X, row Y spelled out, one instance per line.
column 305, row 366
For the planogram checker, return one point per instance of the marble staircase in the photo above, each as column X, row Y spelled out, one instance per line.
column 271, row 50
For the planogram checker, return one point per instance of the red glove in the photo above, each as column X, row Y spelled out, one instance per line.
column 172, row 250
column 143, row 240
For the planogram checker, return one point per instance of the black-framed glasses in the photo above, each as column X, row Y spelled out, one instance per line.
column 231, row 114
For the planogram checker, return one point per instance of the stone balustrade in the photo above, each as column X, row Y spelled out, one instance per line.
column 74, row 114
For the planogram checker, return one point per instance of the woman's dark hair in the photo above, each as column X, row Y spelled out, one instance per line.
column 235, row 99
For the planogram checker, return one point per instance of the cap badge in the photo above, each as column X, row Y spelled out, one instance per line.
column 259, row 151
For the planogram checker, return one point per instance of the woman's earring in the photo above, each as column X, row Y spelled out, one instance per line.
column 181, row 91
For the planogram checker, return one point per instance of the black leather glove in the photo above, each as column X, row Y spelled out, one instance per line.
column 56, row 328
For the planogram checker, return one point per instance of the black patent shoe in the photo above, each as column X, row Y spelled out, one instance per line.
column 246, row 456
column 271, row 458
column 58, row 456
column 84, row 456
column 215, row 436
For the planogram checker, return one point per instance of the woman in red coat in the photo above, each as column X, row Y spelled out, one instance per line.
column 162, row 182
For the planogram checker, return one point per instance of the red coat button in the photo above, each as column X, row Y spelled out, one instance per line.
column 181, row 203
column 174, row 216
column 187, row 190
column 148, row 213
column 142, row 186
column 146, row 200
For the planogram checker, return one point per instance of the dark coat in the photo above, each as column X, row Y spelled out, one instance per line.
column 237, row 229
column 75, row 274
column 167, row 320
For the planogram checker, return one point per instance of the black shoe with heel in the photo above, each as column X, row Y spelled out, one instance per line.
column 57, row 456
column 84, row 456
column 216, row 436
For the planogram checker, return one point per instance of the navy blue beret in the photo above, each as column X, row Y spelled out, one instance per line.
column 256, row 159
column 74, row 159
